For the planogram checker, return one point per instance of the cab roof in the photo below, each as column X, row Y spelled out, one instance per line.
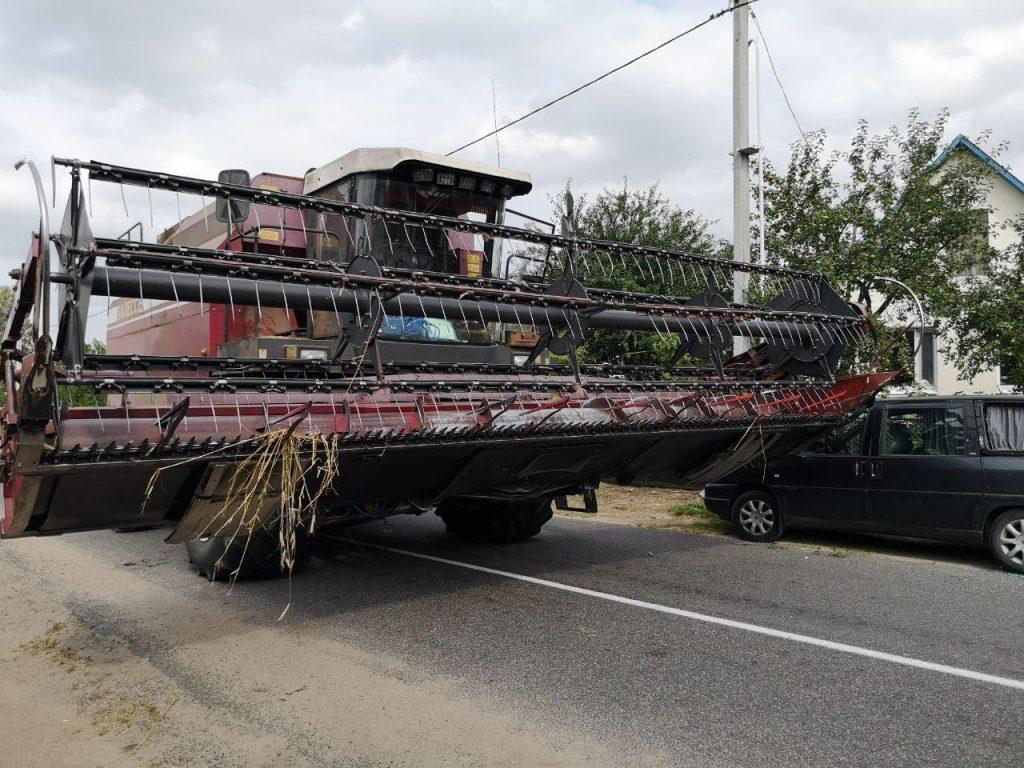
column 368, row 160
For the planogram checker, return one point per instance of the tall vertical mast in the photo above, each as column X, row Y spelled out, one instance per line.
column 741, row 151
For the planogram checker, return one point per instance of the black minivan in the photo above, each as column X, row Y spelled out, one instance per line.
column 949, row 468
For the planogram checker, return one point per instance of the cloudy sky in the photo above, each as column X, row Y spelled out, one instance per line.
column 194, row 87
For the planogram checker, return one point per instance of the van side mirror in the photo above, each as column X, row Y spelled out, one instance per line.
column 239, row 209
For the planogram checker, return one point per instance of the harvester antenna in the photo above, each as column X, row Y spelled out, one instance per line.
column 574, row 91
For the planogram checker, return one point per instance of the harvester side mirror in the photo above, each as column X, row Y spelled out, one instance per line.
column 239, row 211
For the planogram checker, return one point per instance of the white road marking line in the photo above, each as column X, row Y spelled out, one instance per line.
column 855, row 650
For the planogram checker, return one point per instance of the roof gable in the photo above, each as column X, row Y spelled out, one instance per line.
column 962, row 142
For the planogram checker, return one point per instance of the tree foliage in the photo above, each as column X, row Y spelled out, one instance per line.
column 6, row 305
column 879, row 207
column 79, row 395
column 643, row 216
column 882, row 207
column 988, row 322
column 71, row 395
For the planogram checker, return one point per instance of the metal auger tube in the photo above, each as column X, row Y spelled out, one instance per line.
column 155, row 284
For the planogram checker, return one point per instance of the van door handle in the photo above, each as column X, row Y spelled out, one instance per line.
column 858, row 468
column 876, row 468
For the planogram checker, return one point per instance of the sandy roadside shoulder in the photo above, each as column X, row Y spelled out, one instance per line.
column 103, row 667
column 74, row 697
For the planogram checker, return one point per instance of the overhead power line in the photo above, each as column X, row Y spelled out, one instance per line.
column 599, row 78
column 775, row 73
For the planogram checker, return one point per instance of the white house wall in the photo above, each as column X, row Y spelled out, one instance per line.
column 1006, row 204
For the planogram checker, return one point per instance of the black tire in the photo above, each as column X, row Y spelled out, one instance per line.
column 217, row 558
column 757, row 517
column 495, row 522
column 1006, row 540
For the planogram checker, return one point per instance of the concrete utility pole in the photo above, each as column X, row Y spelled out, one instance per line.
column 741, row 152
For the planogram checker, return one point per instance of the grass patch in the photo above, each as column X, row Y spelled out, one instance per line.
column 702, row 518
column 691, row 508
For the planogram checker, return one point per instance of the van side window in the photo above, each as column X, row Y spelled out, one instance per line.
column 844, row 440
column 1004, row 427
column 925, row 432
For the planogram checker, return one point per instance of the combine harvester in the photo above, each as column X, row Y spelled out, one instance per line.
column 349, row 346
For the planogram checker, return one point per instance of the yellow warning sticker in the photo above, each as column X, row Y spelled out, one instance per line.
column 474, row 262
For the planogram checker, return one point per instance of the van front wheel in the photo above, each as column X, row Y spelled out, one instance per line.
column 757, row 517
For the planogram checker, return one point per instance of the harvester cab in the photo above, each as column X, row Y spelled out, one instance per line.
column 396, row 179
column 341, row 347
column 423, row 183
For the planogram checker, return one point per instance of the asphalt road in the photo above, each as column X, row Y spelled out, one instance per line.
column 385, row 658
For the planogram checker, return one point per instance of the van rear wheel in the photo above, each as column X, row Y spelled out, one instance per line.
column 1006, row 540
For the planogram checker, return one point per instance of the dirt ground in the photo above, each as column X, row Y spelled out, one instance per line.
column 73, row 697
column 654, row 508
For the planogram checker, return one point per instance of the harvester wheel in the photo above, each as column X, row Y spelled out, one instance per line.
column 497, row 522
column 217, row 558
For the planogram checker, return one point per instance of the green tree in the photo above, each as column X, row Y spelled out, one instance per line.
column 988, row 322
column 6, row 304
column 881, row 207
column 85, row 395
column 70, row 395
column 643, row 216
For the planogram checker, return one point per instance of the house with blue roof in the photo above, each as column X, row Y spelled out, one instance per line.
column 1005, row 202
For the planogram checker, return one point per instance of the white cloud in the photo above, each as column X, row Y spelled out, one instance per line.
column 194, row 87
column 352, row 19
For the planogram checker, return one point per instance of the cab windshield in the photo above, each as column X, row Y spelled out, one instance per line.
column 413, row 246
